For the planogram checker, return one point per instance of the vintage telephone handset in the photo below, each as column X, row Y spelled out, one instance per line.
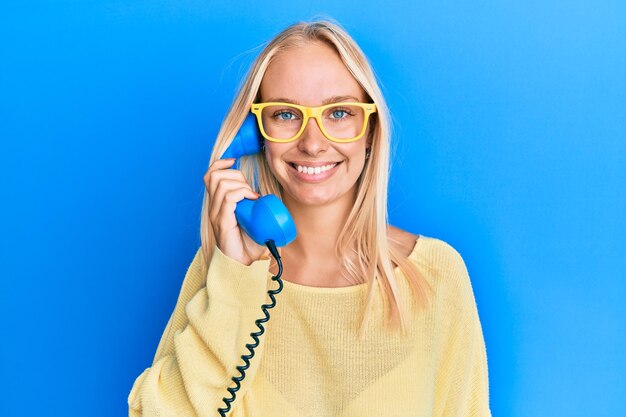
column 268, row 222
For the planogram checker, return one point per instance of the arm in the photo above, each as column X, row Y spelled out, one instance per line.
column 462, row 382
column 195, row 362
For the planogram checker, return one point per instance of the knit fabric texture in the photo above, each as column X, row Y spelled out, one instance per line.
column 310, row 361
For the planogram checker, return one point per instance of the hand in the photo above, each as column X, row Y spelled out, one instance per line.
column 226, row 187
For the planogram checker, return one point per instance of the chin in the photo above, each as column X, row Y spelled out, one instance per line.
column 316, row 195
column 312, row 198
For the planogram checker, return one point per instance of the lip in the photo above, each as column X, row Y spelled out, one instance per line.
column 313, row 178
column 314, row 164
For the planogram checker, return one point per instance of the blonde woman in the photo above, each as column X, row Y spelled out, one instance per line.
column 372, row 320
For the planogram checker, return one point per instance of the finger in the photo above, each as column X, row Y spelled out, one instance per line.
column 223, row 162
column 217, row 166
column 224, row 188
column 213, row 178
column 220, row 164
column 224, row 214
column 216, row 197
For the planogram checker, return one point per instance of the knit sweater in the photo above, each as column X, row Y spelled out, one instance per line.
column 310, row 361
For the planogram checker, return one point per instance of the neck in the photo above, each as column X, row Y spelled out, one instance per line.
column 318, row 227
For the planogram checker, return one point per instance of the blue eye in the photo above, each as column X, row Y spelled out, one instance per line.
column 286, row 116
column 338, row 114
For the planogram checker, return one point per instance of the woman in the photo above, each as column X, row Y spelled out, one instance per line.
column 372, row 320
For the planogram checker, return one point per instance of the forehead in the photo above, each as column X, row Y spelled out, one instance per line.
column 309, row 74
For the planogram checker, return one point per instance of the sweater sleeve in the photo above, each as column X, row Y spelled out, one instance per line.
column 191, row 377
column 462, row 383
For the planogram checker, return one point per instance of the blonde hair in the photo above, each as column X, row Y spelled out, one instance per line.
column 365, row 229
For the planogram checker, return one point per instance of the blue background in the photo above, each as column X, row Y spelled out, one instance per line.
column 510, row 128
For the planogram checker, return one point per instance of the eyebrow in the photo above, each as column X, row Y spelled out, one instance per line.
column 333, row 99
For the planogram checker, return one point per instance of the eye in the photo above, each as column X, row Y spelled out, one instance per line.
column 285, row 115
column 338, row 114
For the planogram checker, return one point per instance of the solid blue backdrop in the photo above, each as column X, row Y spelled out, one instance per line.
column 510, row 144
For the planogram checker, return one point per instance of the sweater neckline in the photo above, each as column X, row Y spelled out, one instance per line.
column 292, row 286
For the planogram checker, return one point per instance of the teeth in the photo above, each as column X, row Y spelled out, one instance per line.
column 314, row 170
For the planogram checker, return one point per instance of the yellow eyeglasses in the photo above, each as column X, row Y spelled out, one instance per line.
column 339, row 122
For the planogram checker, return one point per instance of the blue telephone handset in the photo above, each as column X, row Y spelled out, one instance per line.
column 266, row 218
column 268, row 222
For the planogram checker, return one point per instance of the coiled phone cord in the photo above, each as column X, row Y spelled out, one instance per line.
column 251, row 346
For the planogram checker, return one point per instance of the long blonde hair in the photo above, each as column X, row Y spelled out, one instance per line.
column 365, row 229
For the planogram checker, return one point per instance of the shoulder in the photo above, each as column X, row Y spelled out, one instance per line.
column 448, row 272
column 402, row 240
column 436, row 252
column 442, row 255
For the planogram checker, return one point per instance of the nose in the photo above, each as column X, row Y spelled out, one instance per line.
column 312, row 141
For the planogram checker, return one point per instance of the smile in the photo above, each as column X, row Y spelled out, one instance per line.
column 314, row 170
column 315, row 173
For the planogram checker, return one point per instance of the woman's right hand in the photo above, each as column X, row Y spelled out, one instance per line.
column 226, row 187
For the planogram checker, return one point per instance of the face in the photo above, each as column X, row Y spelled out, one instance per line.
column 313, row 75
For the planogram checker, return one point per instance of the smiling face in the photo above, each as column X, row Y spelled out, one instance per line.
column 313, row 170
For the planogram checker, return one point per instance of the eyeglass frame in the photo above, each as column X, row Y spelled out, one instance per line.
column 312, row 112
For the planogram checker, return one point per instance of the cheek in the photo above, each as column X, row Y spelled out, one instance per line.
column 273, row 156
column 356, row 153
column 360, row 160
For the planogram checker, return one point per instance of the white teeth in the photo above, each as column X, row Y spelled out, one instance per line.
column 314, row 170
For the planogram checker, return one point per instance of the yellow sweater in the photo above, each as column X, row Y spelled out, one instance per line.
column 310, row 362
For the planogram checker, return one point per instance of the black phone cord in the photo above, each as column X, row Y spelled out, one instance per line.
column 251, row 346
